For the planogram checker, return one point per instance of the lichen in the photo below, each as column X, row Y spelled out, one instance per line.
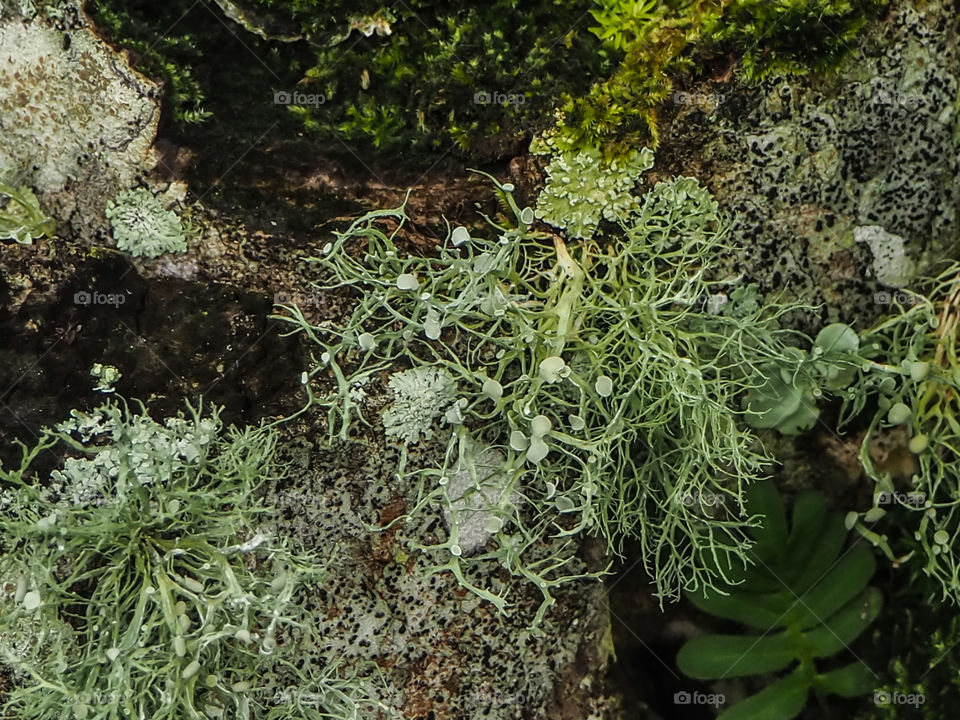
column 583, row 187
column 143, row 227
column 421, row 395
column 891, row 264
column 800, row 164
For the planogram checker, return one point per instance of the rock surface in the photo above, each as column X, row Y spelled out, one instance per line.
column 77, row 123
column 806, row 165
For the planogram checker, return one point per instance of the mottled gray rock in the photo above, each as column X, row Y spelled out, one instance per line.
column 76, row 122
column 445, row 653
column 806, row 165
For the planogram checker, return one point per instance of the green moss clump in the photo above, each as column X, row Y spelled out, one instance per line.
column 663, row 41
column 428, row 75
column 162, row 44
column 788, row 37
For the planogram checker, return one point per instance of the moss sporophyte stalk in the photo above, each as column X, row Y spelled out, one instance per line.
column 592, row 366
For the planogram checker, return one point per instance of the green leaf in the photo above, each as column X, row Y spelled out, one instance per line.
column 838, row 631
column 763, row 611
column 849, row 681
column 711, row 657
column 761, row 498
column 807, row 520
column 782, row 700
column 838, row 338
column 808, row 569
column 842, row 582
column 786, row 404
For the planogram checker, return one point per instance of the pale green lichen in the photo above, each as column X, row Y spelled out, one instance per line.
column 180, row 598
column 106, row 376
column 421, row 395
column 584, row 187
column 891, row 264
column 143, row 227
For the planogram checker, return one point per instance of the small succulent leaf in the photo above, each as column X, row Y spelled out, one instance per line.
column 772, row 402
column 844, row 626
column 784, row 401
column 837, row 339
column 844, row 581
column 808, row 569
column 762, row 611
column 850, row 681
column 762, row 499
column 711, row 657
column 807, row 520
column 804, row 418
column 781, row 700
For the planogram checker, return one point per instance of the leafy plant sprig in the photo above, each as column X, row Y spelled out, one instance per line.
column 21, row 217
column 806, row 596
column 911, row 371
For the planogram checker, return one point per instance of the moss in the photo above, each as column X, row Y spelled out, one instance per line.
column 665, row 40
column 481, row 78
column 788, row 37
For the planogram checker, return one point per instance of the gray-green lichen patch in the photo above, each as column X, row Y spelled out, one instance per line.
column 807, row 166
column 143, row 227
column 76, row 121
column 474, row 491
column 891, row 265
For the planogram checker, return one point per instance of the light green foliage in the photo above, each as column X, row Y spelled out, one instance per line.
column 664, row 40
column 789, row 386
column 590, row 367
column 912, row 373
column 21, row 217
column 421, row 395
column 138, row 581
column 622, row 21
column 143, row 227
column 907, row 372
column 583, row 186
column 805, row 598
